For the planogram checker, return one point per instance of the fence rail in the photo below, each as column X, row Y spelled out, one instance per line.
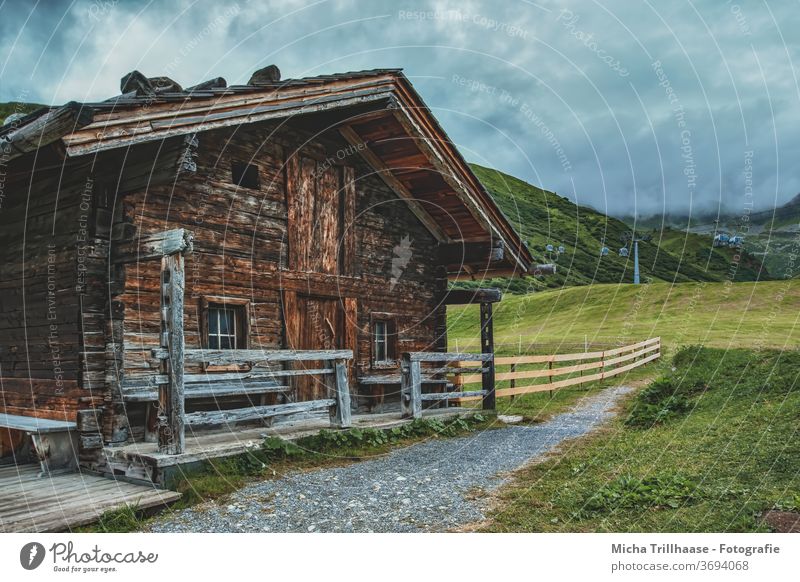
column 254, row 381
column 636, row 355
column 413, row 375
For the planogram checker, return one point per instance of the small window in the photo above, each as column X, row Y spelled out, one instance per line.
column 384, row 340
column 245, row 175
column 225, row 325
column 381, row 341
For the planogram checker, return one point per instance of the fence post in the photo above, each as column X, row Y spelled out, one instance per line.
column 340, row 413
column 513, row 380
column 410, row 388
column 487, row 347
column 171, row 431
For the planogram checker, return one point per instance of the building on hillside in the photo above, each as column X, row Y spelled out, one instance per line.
column 180, row 261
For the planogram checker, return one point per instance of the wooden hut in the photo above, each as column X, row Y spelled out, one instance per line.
column 211, row 257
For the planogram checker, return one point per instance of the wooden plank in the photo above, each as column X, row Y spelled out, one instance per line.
column 630, row 356
column 36, row 425
column 212, row 390
column 469, row 296
column 487, row 348
column 471, row 395
column 632, row 365
column 448, row 357
column 631, row 347
column 214, row 377
column 529, row 389
column 340, row 414
column 222, row 357
column 171, row 430
column 29, row 503
column 153, row 246
column 545, row 373
column 544, row 359
column 46, row 129
column 255, row 412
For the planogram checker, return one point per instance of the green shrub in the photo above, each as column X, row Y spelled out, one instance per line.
column 629, row 492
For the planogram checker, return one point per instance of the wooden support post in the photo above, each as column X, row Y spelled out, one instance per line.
column 170, row 395
column 487, row 347
column 550, row 375
column 410, row 388
column 513, row 381
column 340, row 413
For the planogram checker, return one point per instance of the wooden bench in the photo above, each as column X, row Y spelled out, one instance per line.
column 55, row 442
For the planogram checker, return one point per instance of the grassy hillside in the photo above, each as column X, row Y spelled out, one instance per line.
column 709, row 447
column 7, row 109
column 714, row 314
column 546, row 218
column 771, row 236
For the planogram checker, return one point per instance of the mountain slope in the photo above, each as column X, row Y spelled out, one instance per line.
column 771, row 236
column 714, row 314
column 544, row 218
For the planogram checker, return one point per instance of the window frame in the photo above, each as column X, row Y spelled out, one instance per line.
column 241, row 309
column 391, row 340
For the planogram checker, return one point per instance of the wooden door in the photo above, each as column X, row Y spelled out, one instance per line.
column 317, row 206
column 318, row 325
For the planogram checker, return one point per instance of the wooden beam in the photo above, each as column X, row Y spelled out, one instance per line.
column 487, row 348
column 385, row 173
column 255, row 412
column 222, row 357
column 469, row 296
column 410, row 387
column 153, row 246
column 340, row 414
column 448, row 357
column 471, row 253
column 46, row 129
column 171, row 396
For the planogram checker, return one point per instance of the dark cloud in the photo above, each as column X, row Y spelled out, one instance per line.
column 563, row 95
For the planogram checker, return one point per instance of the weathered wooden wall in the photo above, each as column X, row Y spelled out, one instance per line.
column 243, row 250
column 51, row 287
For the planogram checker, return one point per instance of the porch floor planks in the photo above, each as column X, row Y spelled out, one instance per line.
column 205, row 445
column 29, row 503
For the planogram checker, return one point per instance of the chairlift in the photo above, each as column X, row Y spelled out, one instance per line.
column 603, row 251
column 561, row 249
column 549, row 248
column 623, row 252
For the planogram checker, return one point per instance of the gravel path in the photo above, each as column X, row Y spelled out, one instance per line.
column 430, row 486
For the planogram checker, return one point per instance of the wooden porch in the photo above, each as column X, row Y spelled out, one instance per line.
column 143, row 461
column 59, row 502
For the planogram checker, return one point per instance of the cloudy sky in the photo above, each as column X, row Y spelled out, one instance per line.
column 624, row 105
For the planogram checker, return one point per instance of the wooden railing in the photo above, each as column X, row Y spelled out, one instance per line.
column 253, row 381
column 604, row 364
column 413, row 376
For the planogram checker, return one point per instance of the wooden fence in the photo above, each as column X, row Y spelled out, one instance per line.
column 619, row 360
column 413, row 376
column 260, row 379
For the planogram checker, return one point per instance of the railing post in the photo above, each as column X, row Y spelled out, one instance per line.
column 513, row 380
column 410, row 387
column 487, row 347
column 340, row 414
column 170, row 395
